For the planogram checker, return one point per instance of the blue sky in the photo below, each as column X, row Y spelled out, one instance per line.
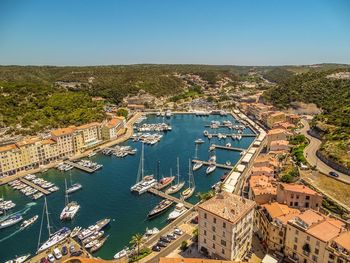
column 237, row 32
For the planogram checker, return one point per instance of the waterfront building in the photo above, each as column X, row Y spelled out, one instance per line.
column 262, row 189
column 64, row 139
column 10, row 160
column 271, row 118
column 271, row 222
column 88, row 136
column 258, row 109
column 225, row 226
column 110, row 130
column 266, row 160
column 298, row 196
column 309, row 234
column 338, row 250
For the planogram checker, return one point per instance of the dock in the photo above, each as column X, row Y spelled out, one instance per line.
column 224, row 166
column 229, row 135
column 228, row 148
column 169, row 197
column 78, row 166
column 33, row 185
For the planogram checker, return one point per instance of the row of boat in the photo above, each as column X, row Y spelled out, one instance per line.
column 89, row 164
column 166, row 113
column 147, row 138
column 158, row 127
column 64, row 167
column 120, row 151
column 16, row 218
column 6, row 205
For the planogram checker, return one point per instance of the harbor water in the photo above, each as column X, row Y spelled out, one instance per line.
column 106, row 193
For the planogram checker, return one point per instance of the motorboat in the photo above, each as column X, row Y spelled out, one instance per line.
column 199, row 141
column 99, row 244
column 188, row 192
column 121, row 254
column 179, row 210
column 89, row 242
column 75, row 231
column 73, row 188
column 20, row 259
column 205, row 133
column 151, row 232
column 10, row 221
column 143, row 183
column 212, row 159
column 29, row 222
column 211, row 168
column 160, row 208
column 228, row 163
column 228, row 144
column 91, row 154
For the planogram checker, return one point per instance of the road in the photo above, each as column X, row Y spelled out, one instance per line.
column 310, row 153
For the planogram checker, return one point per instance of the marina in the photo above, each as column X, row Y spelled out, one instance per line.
column 106, row 194
column 35, row 186
column 224, row 166
column 81, row 167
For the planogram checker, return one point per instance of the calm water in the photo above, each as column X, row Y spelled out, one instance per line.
column 106, row 193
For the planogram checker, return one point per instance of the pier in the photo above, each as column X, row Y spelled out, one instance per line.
column 228, row 148
column 230, row 134
column 224, row 166
column 78, row 166
column 169, row 197
column 37, row 187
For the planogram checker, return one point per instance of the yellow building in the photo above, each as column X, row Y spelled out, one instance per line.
column 64, row 139
column 272, row 118
column 89, row 135
column 225, row 226
column 10, row 160
column 111, row 128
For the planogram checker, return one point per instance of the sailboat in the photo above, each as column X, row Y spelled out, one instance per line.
column 165, row 181
column 187, row 193
column 143, row 183
column 176, row 187
column 71, row 208
column 73, row 187
column 54, row 238
column 198, row 164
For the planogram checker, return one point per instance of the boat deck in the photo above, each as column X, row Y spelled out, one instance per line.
column 78, row 166
column 37, row 187
column 169, row 197
column 228, row 148
column 224, row 166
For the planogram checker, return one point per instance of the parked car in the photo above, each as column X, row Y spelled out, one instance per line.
column 334, row 174
column 57, row 253
column 156, row 248
column 165, row 239
column 50, row 258
column 161, row 244
column 178, row 231
column 64, row 250
column 71, row 249
column 171, row 236
column 44, row 260
column 77, row 253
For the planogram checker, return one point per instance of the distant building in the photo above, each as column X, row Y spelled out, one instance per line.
column 271, row 118
column 225, row 226
column 262, row 189
column 262, row 170
column 338, row 250
column 298, row 196
column 279, row 146
column 64, row 139
column 110, row 130
column 277, row 135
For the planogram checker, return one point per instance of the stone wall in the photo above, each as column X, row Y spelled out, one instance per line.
column 332, row 164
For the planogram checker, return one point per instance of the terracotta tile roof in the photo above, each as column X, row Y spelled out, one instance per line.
column 326, row 230
column 298, row 188
column 27, row 141
column 48, row 141
column 87, row 126
column 262, row 169
column 62, row 131
column 7, row 147
column 281, row 211
column 261, row 184
column 277, row 113
column 280, row 142
column 276, row 131
column 192, row 260
column 113, row 122
column 228, row 206
column 343, row 240
column 311, row 217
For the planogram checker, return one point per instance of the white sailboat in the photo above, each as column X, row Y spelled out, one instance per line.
column 73, row 187
column 143, row 183
column 187, row 193
column 198, row 164
column 53, row 238
column 177, row 187
column 71, row 208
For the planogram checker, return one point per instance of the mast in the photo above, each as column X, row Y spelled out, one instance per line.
column 158, row 169
column 47, row 217
column 66, row 194
column 142, row 161
column 196, row 152
column 41, row 224
column 178, row 170
column 189, row 173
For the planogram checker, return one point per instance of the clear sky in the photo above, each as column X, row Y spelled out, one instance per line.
column 237, row 32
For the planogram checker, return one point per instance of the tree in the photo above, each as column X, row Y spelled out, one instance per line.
column 137, row 240
column 184, row 245
column 122, row 112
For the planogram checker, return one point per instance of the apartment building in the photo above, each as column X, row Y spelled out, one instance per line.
column 266, row 160
column 277, row 135
column 271, row 118
column 225, row 226
column 298, row 196
column 262, row 170
column 90, row 135
column 271, row 223
column 111, row 129
column 64, row 139
column 308, row 236
column 281, row 146
column 258, row 109
column 262, row 189
column 338, row 250
column 10, row 160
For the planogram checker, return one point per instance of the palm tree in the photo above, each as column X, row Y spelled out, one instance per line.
column 137, row 240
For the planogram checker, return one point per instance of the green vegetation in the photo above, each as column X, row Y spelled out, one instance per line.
column 143, row 253
column 137, row 240
column 290, row 176
column 122, row 112
column 193, row 92
column 195, row 235
column 297, row 152
column 332, row 96
column 206, row 195
column 184, row 245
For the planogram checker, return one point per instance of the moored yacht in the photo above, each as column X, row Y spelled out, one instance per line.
column 199, row 141
column 10, row 221
column 27, row 223
column 188, row 192
column 55, row 238
column 160, row 208
column 20, row 259
column 176, row 187
column 211, row 168
column 197, row 165
column 73, row 188
column 178, row 211
column 71, row 208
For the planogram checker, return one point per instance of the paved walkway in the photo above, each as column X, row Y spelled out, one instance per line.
column 310, row 153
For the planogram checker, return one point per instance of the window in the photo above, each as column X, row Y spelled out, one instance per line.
column 317, row 251
column 297, row 196
column 205, row 224
column 223, row 242
column 223, row 251
column 306, row 204
column 224, row 225
column 213, row 228
column 205, row 232
column 308, row 238
column 214, row 237
column 295, row 247
column 307, row 197
column 214, row 220
column 223, row 233
column 331, row 256
column 295, row 203
column 296, row 231
column 314, row 258
column 295, row 240
column 205, row 241
column 291, row 196
column 205, row 215
column 214, row 246
column 291, row 204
